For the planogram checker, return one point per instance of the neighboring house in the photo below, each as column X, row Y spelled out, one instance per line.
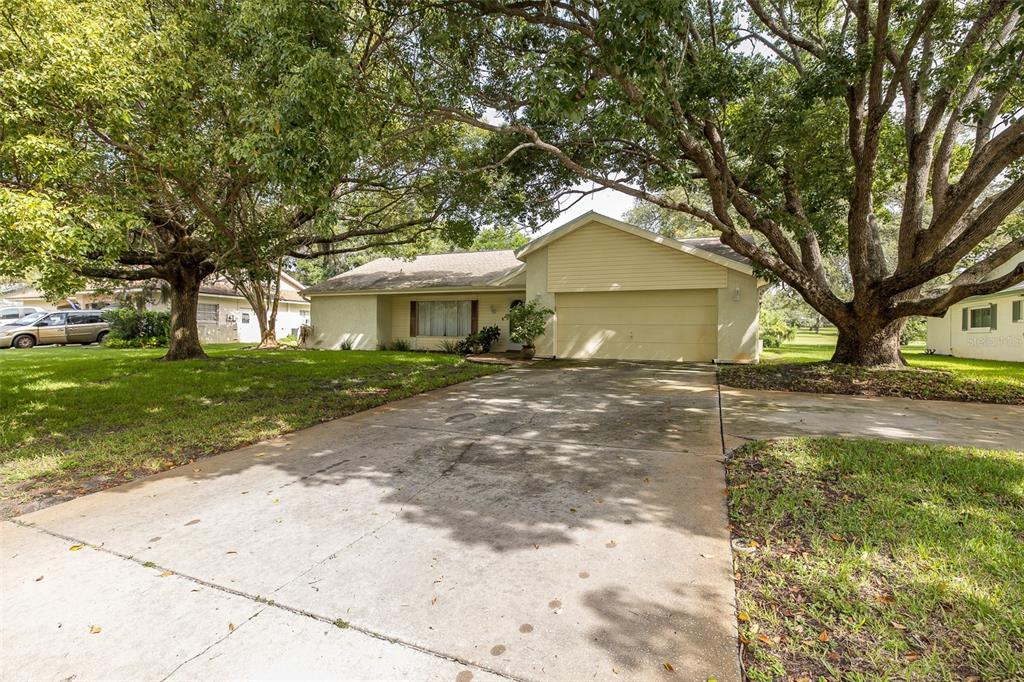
column 617, row 291
column 224, row 315
column 983, row 327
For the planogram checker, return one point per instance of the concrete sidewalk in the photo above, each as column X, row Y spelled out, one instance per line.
column 541, row 524
column 754, row 415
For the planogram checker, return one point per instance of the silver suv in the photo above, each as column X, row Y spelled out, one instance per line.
column 74, row 326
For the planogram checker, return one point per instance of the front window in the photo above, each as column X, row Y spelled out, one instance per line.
column 981, row 318
column 443, row 318
column 208, row 313
column 245, row 318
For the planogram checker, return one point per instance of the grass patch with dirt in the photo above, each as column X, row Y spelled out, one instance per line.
column 802, row 365
column 76, row 419
column 878, row 560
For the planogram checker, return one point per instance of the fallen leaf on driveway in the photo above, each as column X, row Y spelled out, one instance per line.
column 75, row 548
column 165, row 574
column 231, row 627
column 95, row 629
column 39, row 578
column 667, row 666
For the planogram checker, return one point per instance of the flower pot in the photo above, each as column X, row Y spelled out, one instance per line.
column 526, row 353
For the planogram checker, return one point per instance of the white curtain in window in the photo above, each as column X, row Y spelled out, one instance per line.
column 443, row 318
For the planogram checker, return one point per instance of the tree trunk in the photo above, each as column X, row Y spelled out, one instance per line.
column 184, row 341
column 869, row 344
column 270, row 335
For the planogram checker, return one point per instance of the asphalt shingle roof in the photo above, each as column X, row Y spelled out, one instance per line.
column 443, row 270
column 715, row 246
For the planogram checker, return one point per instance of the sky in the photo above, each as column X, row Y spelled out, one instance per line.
column 609, row 202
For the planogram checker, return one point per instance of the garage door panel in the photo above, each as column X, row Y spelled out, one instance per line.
column 638, row 316
column 702, row 334
column 663, row 352
column 636, row 299
column 668, row 326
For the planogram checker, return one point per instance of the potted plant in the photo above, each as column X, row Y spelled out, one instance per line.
column 525, row 323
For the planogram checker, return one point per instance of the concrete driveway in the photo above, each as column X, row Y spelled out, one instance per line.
column 541, row 524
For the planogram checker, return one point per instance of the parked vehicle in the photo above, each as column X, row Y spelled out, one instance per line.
column 11, row 313
column 74, row 326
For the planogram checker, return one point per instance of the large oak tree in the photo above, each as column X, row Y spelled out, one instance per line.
column 818, row 126
column 169, row 141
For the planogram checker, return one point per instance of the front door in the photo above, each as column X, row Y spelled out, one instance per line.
column 51, row 329
column 248, row 326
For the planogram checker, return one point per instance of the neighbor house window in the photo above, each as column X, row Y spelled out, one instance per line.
column 208, row 313
column 981, row 318
column 1018, row 314
column 444, row 318
column 245, row 318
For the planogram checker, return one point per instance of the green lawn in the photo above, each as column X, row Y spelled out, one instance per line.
column 801, row 365
column 879, row 561
column 73, row 417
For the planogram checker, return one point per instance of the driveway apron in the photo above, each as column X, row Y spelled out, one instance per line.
column 560, row 522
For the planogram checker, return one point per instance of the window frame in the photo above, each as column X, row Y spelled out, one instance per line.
column 426, row 324
column 970, row 318
column 216, row 313
column 1017, row 311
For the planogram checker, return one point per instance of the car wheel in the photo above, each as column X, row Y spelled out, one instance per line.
column 24, row 341
column 100, row 337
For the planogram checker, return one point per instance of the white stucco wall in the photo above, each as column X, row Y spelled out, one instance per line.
column 738, row 309
column 946, row 335
column 337, row 319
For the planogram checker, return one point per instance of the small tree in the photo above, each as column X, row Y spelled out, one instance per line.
column 526, row 322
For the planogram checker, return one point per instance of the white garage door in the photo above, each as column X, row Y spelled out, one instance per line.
column 637, row 325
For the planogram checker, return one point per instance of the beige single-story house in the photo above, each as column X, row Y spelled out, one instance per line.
column 617, row 292
column 224, row 316
column 983, row 327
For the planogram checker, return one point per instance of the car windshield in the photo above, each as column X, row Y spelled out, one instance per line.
column 27, row 319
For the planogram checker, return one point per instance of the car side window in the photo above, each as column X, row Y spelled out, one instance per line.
column 84, row 318
column 54, row 320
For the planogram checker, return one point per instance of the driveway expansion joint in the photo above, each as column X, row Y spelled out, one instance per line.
column 270, row 603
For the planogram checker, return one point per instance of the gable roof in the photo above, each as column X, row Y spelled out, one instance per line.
column 500, row 268
column 441, row 271
column 708, row 248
